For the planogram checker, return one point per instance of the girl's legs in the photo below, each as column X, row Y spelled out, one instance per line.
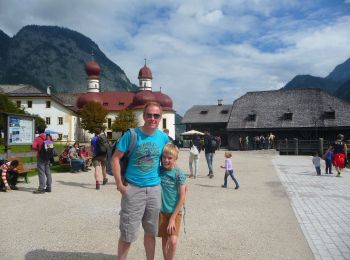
column 234, row 179
column 225, row 181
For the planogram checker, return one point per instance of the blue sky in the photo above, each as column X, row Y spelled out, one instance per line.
column 201, row 51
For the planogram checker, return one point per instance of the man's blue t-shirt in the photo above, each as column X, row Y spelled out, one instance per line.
column 170, row 188
column 144, row 160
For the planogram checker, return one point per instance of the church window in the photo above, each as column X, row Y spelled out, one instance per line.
column 204, row 112
column 105, row 104
column 48, row 120
column 30, row 103
column 60, row 120
column 109, row 123
column 164, row 123
column 48, row 104
column 18, row 103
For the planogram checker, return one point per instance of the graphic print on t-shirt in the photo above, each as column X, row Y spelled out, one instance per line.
column 146, row 155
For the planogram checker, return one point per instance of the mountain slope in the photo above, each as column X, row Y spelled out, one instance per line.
column 308, row 81
column 51, row 55
column 341, row 73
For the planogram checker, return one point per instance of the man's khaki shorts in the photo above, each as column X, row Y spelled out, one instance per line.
column 164, row 222
column 99, row 160
column 139, row 205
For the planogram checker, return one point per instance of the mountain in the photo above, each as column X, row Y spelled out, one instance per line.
column 51, row 55
column 341, row 73
column 344, row 91
column 336, row 83
column 302, row 81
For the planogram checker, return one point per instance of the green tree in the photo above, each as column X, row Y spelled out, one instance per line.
column 39, row 121
column 125, row 119
column 93, row 115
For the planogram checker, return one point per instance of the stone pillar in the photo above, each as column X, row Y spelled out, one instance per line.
column 320, row 146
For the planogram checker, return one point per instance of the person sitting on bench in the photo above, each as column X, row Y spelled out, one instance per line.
column 76, row 162
column 9, row 176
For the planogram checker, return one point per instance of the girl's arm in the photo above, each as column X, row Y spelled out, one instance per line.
column 179, row 205
column 225, row 167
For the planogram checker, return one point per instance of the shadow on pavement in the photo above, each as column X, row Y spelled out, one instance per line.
column 207, row 186
column 44, row 255
column 77, row 184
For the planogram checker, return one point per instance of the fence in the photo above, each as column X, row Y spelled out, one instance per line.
column 302, row 147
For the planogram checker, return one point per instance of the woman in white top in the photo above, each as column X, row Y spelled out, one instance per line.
column 193, row 159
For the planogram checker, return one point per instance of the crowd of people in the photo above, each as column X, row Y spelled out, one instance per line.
column 257, row 142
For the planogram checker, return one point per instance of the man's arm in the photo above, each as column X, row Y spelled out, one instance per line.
column 116, row 170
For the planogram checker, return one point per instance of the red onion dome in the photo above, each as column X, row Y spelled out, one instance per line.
column 143, row 97
column 145, row 72
column 164, row 100
column 88, row 97
column 92, row 68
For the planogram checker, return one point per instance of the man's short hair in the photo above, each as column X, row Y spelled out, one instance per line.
column 152, row 104
column 171, row 149
column 14, row 163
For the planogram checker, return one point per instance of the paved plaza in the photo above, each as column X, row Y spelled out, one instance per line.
column 321, row 205
column 281, row 211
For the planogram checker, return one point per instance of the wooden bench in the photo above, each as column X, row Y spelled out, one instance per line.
column 21, row 169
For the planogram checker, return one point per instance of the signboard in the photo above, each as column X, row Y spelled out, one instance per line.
column 20, row 130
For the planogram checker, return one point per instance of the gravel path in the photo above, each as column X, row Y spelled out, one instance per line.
column 77, row 222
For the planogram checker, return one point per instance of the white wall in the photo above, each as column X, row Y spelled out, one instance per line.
column 69, row 127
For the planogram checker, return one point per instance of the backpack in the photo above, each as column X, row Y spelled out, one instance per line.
column 103, row 143
column 213, row 144
column 123, row 162
column 47, row 150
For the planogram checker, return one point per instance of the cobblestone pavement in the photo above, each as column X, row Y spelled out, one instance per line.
column 321, row 205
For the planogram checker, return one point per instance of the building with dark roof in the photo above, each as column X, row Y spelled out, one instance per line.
column 306, row 114
column 212, row 118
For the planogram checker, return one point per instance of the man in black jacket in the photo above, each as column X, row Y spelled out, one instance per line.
column 209, row 148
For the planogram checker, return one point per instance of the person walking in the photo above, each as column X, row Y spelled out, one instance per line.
column 99, row 158
column 316, row 160
column 328, row 156
column 229, row 170
column 209, row 149
column 43, row 161
column 193, row 159
column 141, row 192
column 339, row 154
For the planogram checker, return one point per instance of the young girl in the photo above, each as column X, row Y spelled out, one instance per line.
column 173, row 199
column 229, row 170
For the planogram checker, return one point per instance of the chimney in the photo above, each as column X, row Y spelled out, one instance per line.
column 220, row 102
column 48, row 90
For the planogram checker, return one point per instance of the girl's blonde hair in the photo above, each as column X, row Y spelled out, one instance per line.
column 171, row 149
column 228, row 154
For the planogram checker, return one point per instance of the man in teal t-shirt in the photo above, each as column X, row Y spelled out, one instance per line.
column 141, row 195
